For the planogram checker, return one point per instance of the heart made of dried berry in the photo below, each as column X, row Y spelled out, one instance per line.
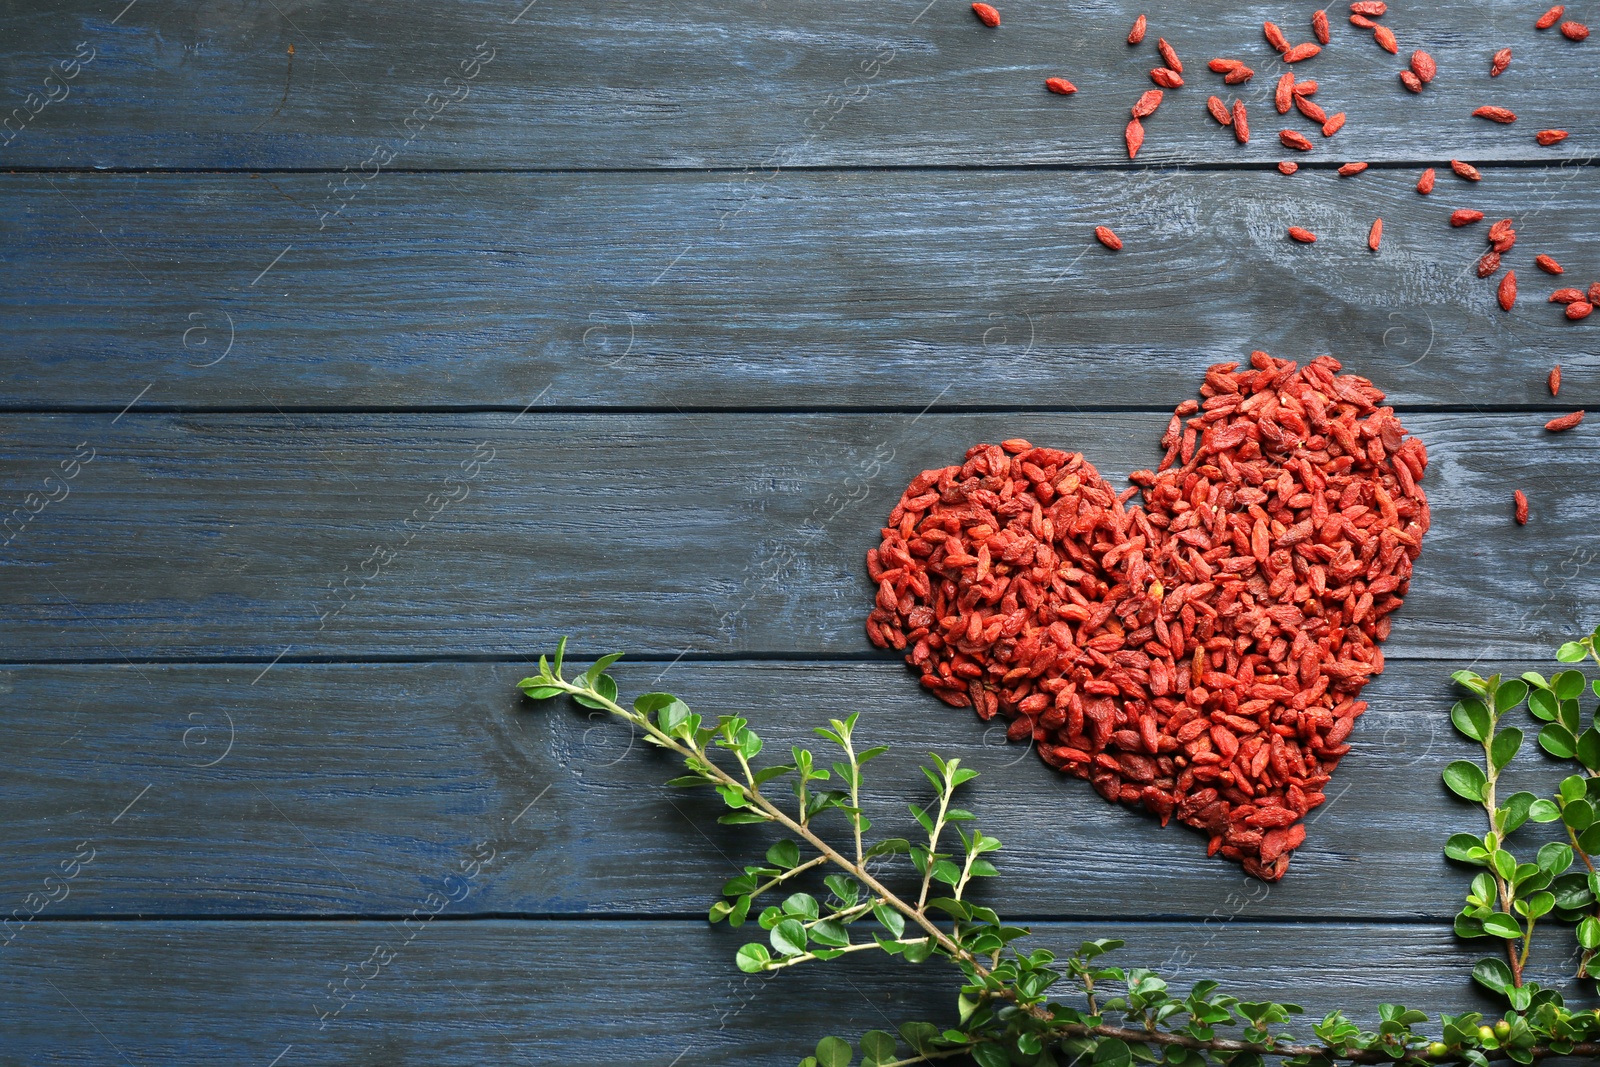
column 1199, row 654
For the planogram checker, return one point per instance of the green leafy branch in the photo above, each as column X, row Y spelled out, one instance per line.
column 798, row 929
column 1006, row 1007
column 1509, row 897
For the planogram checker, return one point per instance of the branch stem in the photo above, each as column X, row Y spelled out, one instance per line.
column 815, row 861
column 933, row 842
column 1503, row 888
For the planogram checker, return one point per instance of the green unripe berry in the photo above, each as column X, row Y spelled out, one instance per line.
column 1485, row 1034
column 1502, row 1029
column 1438, row 1050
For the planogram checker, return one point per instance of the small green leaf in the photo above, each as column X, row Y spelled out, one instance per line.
column 1589, row 932
column 842, row 887
column 674, row 717
column 1502, row 925
column 741, row 818
column 788, row 937
column 1483, row 887
column 650, row 703
column 1589, row 749
column 1557, row 740
column 1572, row 892
column 784, row 854
column 1571, row 652
column 753, row 958
column 1505, row 864
column 1574, row 787
column 689, row 781
column 1471, row 717
column 599, row 667
column 742, row 883
column 922, row 1037
column 767, row 774
column 834, row 1052
column 1515, row 810
column 1568, row 685
column 1504, row 748
column 1509, row 695
column 802, row 906
column 749, row 744
column 831, row 933
column 892, row 920
column 1544, row 811
column 1494, row 974
column 877, row 1046
column 889, row 846
column 1554, row 857
column 1466, row 848
column 533, row 691
column 1111, row 1052
column 1542, row 705
column 1466, row 780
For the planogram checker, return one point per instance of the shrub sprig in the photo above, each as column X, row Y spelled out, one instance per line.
column 1024, row 1006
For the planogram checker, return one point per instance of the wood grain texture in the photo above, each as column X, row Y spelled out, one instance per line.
column 835, row 244
column 335, row 536
column 531, row 993
column 632, row 84
column 856, row 290
column 355, row 789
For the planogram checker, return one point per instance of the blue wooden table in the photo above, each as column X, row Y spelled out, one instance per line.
column 354, row 353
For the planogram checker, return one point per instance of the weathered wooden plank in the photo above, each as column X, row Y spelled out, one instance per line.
column 837, row 289
column 633, row 84
column 403, row 535
column 355, row 789
column 605, row 992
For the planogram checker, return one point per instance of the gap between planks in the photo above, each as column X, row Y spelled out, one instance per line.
column 837, row 168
